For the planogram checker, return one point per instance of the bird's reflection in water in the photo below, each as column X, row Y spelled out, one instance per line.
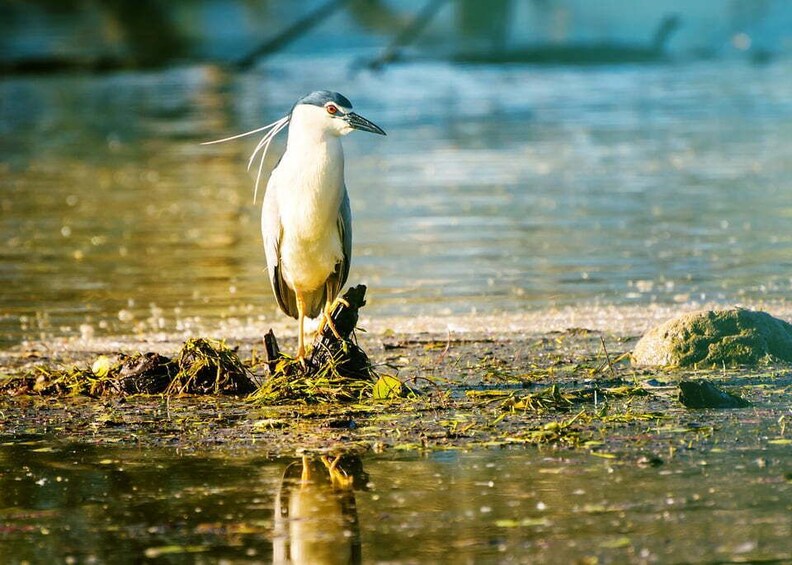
column 316, row 518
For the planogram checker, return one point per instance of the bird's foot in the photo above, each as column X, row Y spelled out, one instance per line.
column 327, row 320
column 301, row 357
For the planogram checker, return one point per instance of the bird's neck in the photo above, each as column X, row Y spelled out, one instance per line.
column 318, row 156
column 311, row 175
column 310, row 139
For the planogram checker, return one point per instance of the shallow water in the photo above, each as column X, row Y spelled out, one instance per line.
column 610, row 192
column 497, row 188
column 84, row 503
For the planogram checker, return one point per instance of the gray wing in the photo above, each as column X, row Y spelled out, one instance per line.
column 337, row 278
column 271, row 231
column 345, row 230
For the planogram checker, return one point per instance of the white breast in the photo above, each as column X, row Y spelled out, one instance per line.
column 309, row 185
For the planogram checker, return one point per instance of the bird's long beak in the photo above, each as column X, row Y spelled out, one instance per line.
column 357, row 121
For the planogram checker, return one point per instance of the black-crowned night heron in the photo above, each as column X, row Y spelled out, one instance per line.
column 306, row 220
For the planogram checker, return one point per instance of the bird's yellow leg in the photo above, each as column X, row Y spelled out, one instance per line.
column 305, row 478
column 327, row 319
column 301, row 320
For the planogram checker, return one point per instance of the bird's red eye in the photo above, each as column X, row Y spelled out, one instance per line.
column 332, row 109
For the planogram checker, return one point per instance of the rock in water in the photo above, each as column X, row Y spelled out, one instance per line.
column 733, row 336
column 704, row 394
column 148, row 373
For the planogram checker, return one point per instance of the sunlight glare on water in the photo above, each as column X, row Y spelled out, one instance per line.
column 497, row 188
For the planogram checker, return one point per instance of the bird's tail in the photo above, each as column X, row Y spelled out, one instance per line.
column 287, row 299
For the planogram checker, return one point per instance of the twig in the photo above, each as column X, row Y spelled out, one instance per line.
column 272, row 352
column 445, row 350
column 607, row 357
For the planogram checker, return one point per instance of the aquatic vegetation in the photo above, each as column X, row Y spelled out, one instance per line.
column 554, row 432
column 48, row 381
column 291, row 382
column 561, row 393
column 210, row 367
column 203, row 366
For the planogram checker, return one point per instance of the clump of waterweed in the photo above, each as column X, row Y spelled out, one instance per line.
column 208, row 366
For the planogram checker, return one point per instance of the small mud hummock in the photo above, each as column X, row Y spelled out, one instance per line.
column 706, row 338
column 209, row 367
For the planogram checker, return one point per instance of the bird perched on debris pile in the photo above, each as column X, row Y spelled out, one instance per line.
column 306, row 220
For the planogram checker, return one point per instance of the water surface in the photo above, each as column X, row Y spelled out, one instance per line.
column 507, row 188
column 84, row 503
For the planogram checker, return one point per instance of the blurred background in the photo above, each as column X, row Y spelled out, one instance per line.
column 540, row 154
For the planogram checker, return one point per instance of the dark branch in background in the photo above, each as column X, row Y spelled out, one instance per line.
column 408, row 35
column 151, row 36
column 291, row 33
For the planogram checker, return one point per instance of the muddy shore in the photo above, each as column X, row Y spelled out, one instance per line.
column 558, row 389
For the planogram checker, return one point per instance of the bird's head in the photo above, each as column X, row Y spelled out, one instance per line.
column 330, row 113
